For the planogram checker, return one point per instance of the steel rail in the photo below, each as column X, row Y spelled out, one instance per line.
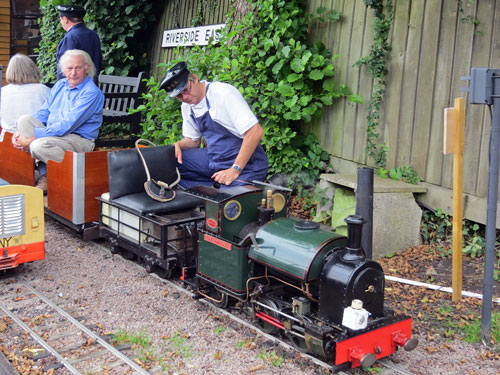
column 87, row 331
column 41, row 341
column 391, row 366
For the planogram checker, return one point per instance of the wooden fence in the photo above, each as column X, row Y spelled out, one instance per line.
column 432, row 47
column 4, row 36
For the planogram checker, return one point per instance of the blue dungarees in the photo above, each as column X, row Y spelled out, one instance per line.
column 199, row 164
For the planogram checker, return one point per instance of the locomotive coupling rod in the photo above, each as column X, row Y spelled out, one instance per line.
column 277, row 311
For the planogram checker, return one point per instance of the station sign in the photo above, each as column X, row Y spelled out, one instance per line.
column 189, row 36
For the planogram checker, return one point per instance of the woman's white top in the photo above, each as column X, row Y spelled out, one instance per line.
column 19, row 100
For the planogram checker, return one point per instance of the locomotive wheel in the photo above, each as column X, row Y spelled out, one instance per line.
column 222, row 300
column 163, row 273
column 298, row 343
column 263, row 325
column 114, row 249
column 149, row 267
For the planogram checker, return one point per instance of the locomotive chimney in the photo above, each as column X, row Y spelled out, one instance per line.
column 354, row 233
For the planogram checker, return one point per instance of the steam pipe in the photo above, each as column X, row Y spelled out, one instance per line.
column 364, row 207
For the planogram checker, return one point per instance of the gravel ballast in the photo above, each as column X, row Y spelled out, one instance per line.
column 189, row 336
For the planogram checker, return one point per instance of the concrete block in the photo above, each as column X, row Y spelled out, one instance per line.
column 396, row 215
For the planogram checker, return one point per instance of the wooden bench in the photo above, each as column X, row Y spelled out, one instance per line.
column 121, row 94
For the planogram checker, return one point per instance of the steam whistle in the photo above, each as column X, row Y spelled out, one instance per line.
column 266, row 208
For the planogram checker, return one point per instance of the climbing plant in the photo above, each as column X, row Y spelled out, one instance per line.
column 376, row 65
column 286, row 79
column 122, row 25
column 51, row 32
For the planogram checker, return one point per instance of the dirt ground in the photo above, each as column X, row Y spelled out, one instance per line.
column 435, row 314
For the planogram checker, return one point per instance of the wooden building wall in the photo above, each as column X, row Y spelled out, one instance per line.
column 431, row 49
column 177, row 17
column 4, row 36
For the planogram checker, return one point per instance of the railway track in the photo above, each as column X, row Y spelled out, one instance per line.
column 59, row 339
column 62, row 338
column 388, row 367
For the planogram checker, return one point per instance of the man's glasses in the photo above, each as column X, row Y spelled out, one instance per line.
column 186, row 90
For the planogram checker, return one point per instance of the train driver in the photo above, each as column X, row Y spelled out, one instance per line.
column 68, row 120
column 217, row 112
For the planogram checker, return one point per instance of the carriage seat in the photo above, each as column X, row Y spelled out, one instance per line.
column 127, row 177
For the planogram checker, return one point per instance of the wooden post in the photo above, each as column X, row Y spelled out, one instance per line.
column 454, row 129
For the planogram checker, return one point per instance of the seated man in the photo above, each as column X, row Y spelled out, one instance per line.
column 68, row 120
column 218, row 112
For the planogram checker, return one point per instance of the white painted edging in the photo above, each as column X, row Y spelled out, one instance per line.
column 437, row 287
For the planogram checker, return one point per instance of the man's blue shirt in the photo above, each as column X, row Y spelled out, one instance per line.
column 71, row 110
column 80, row 37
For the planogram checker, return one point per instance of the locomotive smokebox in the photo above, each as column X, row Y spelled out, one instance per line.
column 347, row 274
column 345, row 277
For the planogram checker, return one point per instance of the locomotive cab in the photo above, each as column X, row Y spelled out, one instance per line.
column 231, row 217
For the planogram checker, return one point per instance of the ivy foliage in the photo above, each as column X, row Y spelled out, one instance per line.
column 52, row 33
column 286, row 80
column 376, row 65
column 122, row 25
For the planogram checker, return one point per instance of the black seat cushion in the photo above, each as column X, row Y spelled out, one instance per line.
column 127, row 177
column 127, row 174
column 142, row 203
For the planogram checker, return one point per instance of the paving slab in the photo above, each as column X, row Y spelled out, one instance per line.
column 396, row 215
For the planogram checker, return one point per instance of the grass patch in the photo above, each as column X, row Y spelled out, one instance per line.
column 471, row 330
column 220, row 329
column 271, row 358
column 178, row 343
column 140, row 338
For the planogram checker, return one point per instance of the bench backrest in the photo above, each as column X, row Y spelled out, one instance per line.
column 127, row 174
column 120, row 95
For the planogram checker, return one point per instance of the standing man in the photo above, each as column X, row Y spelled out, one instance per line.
column 217, row 112
column 77, row 37
column 68, row 120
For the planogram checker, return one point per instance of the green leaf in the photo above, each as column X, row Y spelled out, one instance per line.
column 291, row 102
column 353, row 98
column 304, row 100
column 321, row 10
column 270, row 60
column 297, row 65
column 285, row 51
column 292, row 77
column 277, row 67
column 329, row 85
column 316, row 75
column 306, row 56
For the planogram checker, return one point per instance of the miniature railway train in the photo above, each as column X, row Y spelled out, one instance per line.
column 238, row 246
column 21, row 225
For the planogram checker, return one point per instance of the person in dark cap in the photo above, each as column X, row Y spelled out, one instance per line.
column 217, row 112
column 77, row 36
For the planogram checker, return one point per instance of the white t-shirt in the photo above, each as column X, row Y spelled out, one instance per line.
column 227, row 107
column 18, row 100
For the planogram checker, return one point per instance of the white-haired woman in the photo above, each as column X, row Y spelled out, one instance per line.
column 24, row 94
